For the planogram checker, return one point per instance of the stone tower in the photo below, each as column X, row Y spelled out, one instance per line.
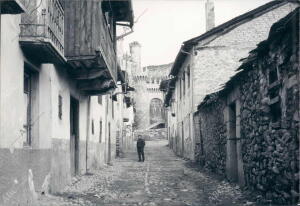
column 210, row 14
column 135, row 52
column 147, row 98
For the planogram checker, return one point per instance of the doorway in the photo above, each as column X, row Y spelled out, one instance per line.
column 74, row 135
column 30, row 94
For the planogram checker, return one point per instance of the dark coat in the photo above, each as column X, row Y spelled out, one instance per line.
column 140, row 143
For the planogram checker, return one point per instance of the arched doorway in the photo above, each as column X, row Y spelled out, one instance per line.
column 157, row 112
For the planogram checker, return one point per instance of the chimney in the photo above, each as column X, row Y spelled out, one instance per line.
column 210, row 14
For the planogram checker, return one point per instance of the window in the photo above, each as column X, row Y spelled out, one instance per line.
column 100, row 99
column 100, row 132
column 93, row 129
column 60, row 102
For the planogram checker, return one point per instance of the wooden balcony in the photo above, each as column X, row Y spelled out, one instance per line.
column 11, row 7
column 42, row 31
column 90, row 48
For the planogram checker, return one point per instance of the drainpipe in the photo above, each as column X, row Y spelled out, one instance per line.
column 87, row 132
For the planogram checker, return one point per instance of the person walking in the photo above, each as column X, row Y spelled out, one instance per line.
column 140, row 144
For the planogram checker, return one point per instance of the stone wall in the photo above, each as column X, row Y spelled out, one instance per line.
column 271, row 144
column 152, row 134
column 212, row 140
column 209, row 74
column 213, row 64
column 268, row 124
column 146, row 89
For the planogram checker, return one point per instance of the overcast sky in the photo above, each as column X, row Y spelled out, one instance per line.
column 165, row 24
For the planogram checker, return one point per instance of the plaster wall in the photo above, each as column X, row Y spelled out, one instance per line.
column 49, row 154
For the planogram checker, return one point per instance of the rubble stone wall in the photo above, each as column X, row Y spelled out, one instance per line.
column 271, row 149
column 212, row 141
column 269, row 135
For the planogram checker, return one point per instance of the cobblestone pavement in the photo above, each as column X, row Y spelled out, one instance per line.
column 162, row 180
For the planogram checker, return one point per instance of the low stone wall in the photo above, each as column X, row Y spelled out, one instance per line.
column 151, row 134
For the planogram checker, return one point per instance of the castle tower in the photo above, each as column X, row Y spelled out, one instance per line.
column 135, row 52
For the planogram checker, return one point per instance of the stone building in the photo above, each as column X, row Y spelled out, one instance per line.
column 206, row 62
column 148, row 99
column 57, row 80
column 249, row 130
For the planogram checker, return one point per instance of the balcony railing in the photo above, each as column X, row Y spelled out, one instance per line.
column 44, row 26
column 109, row 52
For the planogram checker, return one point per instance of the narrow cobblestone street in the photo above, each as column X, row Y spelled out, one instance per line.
column 163, row 179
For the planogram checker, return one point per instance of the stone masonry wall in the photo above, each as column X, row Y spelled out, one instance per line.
column 212, row 148
column 146, row 89
column 269, row 120
column 271, row 148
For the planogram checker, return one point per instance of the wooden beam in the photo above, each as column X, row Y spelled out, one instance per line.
column 96, row 84
column 90, row 74
column 100, row 92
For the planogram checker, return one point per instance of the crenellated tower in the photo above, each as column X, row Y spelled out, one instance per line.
column 147, row 98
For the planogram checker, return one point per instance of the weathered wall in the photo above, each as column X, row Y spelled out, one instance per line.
column 11, row 68
column 267, row 136
column 271, row 148
column 212, row 139
column 214, row 62
column 182, row 123
column 16, row 161
column 210, row 73
column 142, row 99
column 50, row 149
